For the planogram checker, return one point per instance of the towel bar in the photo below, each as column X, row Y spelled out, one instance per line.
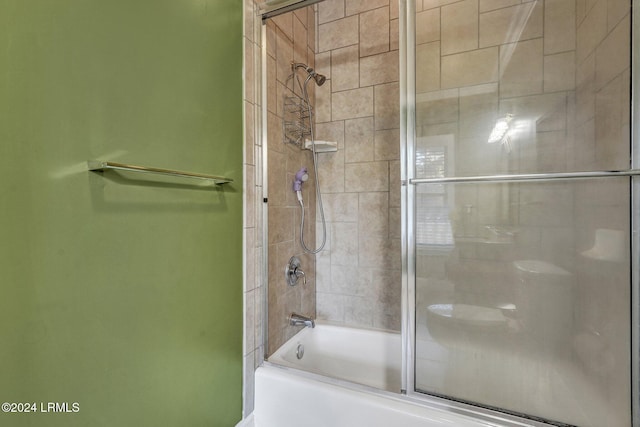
column 101, row 166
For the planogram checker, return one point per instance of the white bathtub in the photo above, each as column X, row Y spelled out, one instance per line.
column 361, row 356
column 286, row 397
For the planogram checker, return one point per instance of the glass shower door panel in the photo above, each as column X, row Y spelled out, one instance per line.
column 537, row 86
column 522, row 297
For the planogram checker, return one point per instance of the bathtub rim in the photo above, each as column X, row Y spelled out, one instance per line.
column 432, row 402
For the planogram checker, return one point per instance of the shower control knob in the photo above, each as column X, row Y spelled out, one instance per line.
column 292, row 272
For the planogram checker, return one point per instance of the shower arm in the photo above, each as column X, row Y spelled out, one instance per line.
column 296, row 65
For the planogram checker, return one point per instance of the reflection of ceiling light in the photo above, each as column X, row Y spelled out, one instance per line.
column 500, row 130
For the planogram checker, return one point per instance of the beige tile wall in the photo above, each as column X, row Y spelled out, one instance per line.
column 290, row 37
column 254, row 289
column 495, row 46
column 558, row 66
column 358, row 273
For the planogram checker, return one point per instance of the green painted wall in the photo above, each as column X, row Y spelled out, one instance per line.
column 120, row 294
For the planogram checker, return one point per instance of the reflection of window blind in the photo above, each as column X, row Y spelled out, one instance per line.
column 430, row 162
column 433, row 226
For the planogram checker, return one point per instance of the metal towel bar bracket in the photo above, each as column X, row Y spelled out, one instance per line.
column 100, row 166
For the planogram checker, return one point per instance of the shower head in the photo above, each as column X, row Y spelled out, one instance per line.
column 319, row 78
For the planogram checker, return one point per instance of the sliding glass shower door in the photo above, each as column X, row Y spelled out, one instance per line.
column 519, row 234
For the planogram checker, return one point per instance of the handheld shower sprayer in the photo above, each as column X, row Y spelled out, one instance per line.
column 301, row 176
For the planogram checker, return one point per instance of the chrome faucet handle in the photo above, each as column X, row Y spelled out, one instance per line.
column 292, row 272
column 299, row 273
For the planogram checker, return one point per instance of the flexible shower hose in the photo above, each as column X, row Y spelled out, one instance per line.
column 317, row 181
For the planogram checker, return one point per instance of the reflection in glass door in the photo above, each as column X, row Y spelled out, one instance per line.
column 522, row 287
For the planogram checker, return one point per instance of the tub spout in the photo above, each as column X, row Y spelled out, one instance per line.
column 299, row 320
